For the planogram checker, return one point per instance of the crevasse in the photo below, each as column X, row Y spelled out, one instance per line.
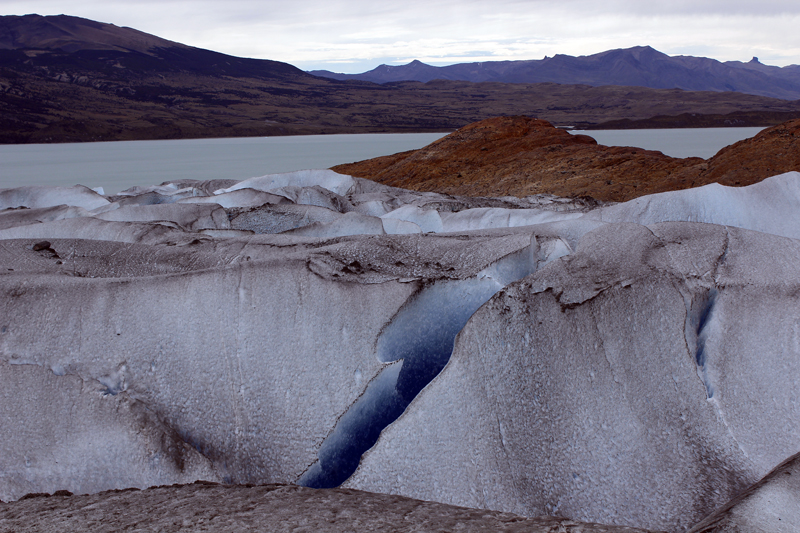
column 416, row 345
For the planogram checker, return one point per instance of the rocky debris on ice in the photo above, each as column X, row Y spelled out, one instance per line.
column 274, row 508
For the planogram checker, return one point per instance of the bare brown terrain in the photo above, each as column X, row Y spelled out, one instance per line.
column 73, row 105
column 737, row 119
column 273, row 508
column 521, row 156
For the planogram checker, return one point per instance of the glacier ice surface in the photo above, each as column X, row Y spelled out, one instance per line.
column 544, row 353
column 653, row 364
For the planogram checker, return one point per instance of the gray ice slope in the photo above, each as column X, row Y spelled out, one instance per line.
column 643, row 380
column 84, row 439
column 418, row 342
column 348, row 224
column 237, row 198
column 768, row 206
column 428, row 220
column 770, row 506
column 317, row 198
column 91, row 228
column 236, row 360
column 315, row 195
column 327, row 179
column 494, row 217
column 35, row 196
column 280, row 218
column 249, row 351
column 247, row 301
column 10, row 218
column 192, row 217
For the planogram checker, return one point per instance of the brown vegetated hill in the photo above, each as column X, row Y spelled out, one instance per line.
column 773, row 151
column 521, row 156
column 66, row 79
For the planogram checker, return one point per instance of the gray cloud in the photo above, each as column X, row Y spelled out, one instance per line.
column 353, row 35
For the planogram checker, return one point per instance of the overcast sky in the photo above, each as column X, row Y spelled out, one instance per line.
column 358, row 35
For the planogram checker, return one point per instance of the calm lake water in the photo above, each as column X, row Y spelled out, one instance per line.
column 690, row 142
column 115, row 166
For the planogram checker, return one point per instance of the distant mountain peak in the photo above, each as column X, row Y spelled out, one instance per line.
column 637, row 66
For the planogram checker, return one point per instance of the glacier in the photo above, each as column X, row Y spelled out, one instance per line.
column 536, row 355
column 585, row 390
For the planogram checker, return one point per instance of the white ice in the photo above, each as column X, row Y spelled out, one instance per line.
column 770, row 206
column 33, row 197
column 428, row 220
column 327, row 179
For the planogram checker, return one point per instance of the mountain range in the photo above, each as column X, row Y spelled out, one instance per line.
column 69, row 79
column 640, row 66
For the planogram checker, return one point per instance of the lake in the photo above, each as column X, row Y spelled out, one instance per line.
column 115, row 166
column 689, row 142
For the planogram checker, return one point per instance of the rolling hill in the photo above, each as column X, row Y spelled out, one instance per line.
column 68, row 79
column 640, row 66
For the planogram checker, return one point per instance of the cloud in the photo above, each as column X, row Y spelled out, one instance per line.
column 321, row 34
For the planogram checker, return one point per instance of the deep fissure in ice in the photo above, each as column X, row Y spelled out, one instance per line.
column 418, row 344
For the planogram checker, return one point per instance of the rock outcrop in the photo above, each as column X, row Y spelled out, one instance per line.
column 521, row 156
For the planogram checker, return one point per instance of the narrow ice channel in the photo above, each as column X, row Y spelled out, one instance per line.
column 703, row 320
column 416, row 345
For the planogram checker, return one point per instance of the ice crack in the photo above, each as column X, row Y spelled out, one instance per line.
column 699, row 319
column 417, row 344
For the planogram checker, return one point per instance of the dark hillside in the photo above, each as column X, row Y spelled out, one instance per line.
column 66, row 79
